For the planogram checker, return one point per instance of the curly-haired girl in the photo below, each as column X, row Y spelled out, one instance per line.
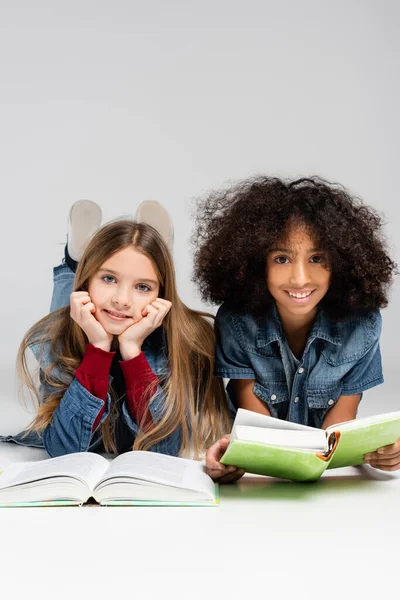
column 301, row 270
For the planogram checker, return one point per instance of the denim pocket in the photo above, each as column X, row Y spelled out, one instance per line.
column 274, row 394
column 323, row 398
column 320, row 401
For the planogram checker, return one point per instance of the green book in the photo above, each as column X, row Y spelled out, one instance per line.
column 269, row 446
column 131, row 479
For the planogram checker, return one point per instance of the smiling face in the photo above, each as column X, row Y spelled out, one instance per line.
column 298, row 275
column 122, row 287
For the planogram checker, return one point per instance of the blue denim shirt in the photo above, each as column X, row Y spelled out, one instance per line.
column 341, row 358
column 71, row 427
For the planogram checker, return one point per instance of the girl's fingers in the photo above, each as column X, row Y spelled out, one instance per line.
column 162, row 306
column 225, row 474
column 82, row 311
column 214, row 468
column 385, row 455
column 389, row 462
column 377, row 456
column 155, row 312
column 232, row 477
column 79, row 300
column 158, row 304
column 145, row 310
column 79, row 295
column 162, row 310
column 151, row 310
column 218, row 472
column 88, row 308
column 164, row 302
column 394, row 467
column 216, row 451
column 389, row 450
column 150, row 314
column 158, row 311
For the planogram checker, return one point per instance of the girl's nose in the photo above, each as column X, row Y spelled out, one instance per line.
column 300, row 275
column 121, row 298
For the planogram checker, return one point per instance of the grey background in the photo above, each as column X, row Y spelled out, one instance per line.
column 124, row 101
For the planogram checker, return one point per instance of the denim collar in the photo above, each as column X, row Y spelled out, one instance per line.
column 270, row 329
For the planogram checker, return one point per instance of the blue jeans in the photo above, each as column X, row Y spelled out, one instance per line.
column 63, row 283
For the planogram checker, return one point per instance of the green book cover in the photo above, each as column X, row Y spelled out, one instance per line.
column 261, row 444
column 275, row 461
column 356, row 441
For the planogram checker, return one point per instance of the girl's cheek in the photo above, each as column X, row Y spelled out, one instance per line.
column 96, row 314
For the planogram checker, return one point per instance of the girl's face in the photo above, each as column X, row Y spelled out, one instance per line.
column 121, row 289
column 298, row 274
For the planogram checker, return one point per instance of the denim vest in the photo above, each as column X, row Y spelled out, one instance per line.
column 341, row 358
column 72, row 423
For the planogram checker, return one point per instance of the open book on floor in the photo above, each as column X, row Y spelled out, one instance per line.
column 133, row 478
column 269, row 446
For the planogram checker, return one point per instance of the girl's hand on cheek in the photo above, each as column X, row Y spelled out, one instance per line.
column 386, row 458
column 82, row 309
column 131, row 340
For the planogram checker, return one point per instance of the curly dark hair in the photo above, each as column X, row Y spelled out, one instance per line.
column 236, row 229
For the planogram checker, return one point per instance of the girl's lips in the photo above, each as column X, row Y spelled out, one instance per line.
column 300, row 300
column 115, row 317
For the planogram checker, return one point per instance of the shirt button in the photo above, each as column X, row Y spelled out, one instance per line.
column 330, row 402
column 296, row 399
column 273, row 397
column 301, row 370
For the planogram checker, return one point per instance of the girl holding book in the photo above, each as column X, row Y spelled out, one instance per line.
column 123, row 363
column 301, row 270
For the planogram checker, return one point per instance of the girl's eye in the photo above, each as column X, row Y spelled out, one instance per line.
column 281, row 260
column 318, row 259
column 108, row 279
column 143, row 288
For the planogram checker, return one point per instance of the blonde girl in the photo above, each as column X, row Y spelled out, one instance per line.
column 125, row 365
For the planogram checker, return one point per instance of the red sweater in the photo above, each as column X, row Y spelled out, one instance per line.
column 141, row 383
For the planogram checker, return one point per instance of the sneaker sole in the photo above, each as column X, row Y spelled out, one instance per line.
column 84, row 220
column 153, row 213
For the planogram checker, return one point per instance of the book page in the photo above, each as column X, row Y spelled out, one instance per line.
column 85, row 466
column 253, row 419
column 161, row 469
column 315, row 440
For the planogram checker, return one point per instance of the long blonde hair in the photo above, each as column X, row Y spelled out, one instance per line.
column 194, row 399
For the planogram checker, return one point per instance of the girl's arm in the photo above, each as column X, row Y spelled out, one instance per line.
column 247, row 399
column 93, row 374
column 141, row 384
column 71, row 427
column 345, row 409
column 83, row 406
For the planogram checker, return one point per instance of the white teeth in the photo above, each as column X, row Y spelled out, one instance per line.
column 304, row 295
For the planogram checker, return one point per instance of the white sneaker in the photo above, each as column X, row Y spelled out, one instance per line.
column 153, row 213
column 84, row 220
